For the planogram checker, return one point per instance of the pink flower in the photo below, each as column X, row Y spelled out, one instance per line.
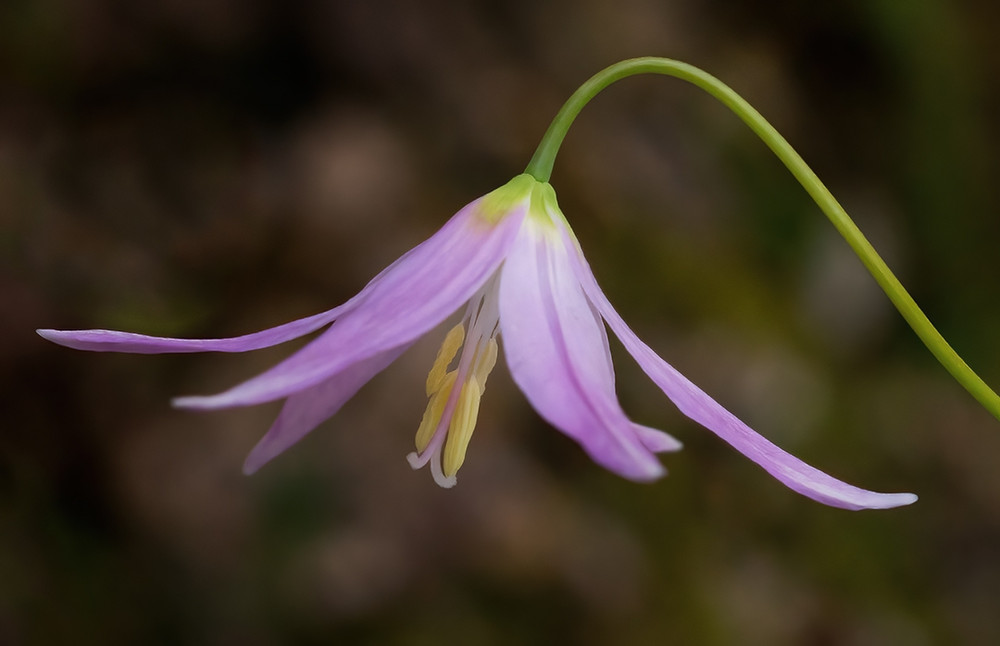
column 512, row 261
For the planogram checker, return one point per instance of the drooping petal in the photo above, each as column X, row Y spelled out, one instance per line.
column 556, row 349
column 693, row 402
column 307, row 409
column 114, row 341
column 409, row 298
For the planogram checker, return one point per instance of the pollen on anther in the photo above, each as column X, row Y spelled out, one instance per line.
column 452, row 342
column 434, row 411
column 463, row 423
column 486, row 363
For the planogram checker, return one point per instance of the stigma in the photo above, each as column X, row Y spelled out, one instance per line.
column 455, row 386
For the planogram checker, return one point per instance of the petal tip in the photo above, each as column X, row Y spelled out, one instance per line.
column 861, row 499
column 210, row 402
column 648, row 469
column 191, row 402
column 55, row 336
column 657, row 441
column 252, row 464
column 652, row 475
column 892, row 500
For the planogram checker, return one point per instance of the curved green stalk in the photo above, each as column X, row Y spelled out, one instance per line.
column 540, row 167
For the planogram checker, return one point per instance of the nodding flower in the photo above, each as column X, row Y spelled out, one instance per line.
column 511, row 263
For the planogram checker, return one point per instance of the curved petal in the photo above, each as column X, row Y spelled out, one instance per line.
column 693, row 402
column 556, row 349
column 412, row 296
column 114, row 341
column 307, row 409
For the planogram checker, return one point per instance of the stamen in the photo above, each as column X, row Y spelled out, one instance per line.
column 452, row 342
column 451, row 414
column 463, row 422
column 434, row 411
column 487, row 361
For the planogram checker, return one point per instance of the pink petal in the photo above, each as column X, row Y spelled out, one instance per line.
column 308, row 408
column 409, row 298
column 112, row 341
column 556, row 349
column 697, row 405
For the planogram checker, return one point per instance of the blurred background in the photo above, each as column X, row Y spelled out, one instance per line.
column 214, row 167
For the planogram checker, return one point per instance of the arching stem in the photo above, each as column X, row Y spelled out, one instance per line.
column 540, row 167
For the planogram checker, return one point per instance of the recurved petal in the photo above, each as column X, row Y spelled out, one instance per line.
column 693, row 402
column 556, row 349
column 409, row 298
column 113, row 341
column 307, row 409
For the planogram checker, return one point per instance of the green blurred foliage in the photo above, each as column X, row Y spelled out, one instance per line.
column 210, row 168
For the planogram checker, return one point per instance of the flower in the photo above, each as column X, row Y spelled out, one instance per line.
column 512, row 260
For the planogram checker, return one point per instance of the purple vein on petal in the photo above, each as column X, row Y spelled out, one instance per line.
column 413, row 295
column 696, row 404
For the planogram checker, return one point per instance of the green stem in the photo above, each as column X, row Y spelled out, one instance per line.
column 540, row 167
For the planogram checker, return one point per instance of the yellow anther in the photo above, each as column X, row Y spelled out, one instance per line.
column 434, row 410
column 452, row 342
column 485, row 364
column 463, row 422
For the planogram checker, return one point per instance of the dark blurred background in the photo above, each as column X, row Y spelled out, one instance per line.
column 213, row 167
